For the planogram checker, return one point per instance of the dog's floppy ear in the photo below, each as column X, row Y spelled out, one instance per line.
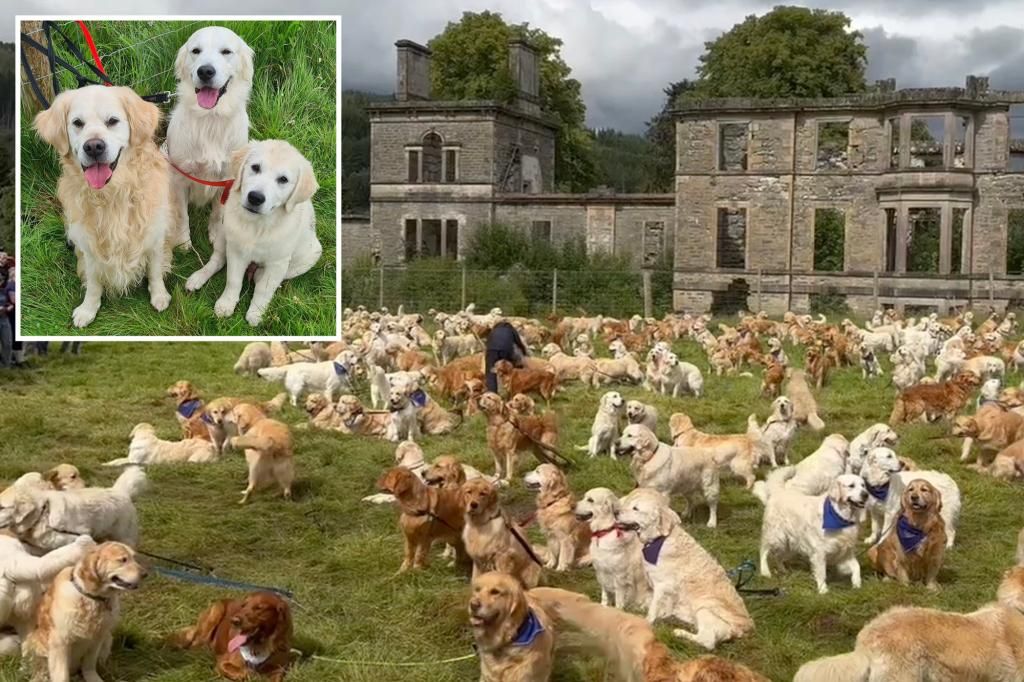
column 52, row 476
column 51, row 124
column 835, row 491
column 238, row 158
column 667, row 518
column 246, row 57
column 180, row 66
column 305, row 187
column 143, row 116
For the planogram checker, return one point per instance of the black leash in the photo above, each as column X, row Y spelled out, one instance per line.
column 522, row 541
column 568, row 463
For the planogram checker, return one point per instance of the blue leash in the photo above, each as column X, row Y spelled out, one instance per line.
column 743, row 574
column 220, row 582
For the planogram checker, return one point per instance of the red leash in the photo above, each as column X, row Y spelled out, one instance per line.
column 92, row 48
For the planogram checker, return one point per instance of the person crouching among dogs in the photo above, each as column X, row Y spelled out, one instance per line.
column 503, row 343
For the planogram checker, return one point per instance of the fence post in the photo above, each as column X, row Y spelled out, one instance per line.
column 648, row 303
column 875, row 289
column 554, row 292
column 991, row 290
column 759, row 306
column 380, row 288
column 463, row 287
column 38, row 63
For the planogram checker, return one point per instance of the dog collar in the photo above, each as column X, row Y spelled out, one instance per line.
column 189, row 407
column 340, row 369
column 652, row 550
column 206, row 418
column 991, row 401
column 909, row 536
column 831, row 519
column 81, row 590
column 880, row 493
column 598, row 534
column 528, row 631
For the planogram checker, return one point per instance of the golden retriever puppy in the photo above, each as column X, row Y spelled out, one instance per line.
column 630, row 644
column 147, row 448
column 992, row 427
column 115, row 191
column 914, row 549
column 255, row 356
column 492, row 541
column 428, row 514
column 268, row 451
column 79, row 612
column 268, row 220
column 805, row 407
column 358, row 420
column 64, row 477
column 738, row 453
column 908, row 644
column 514, row 636
column 214, row 70
column 568, row 538
column 686, row 581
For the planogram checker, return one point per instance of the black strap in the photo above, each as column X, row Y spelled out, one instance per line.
column 522, row 541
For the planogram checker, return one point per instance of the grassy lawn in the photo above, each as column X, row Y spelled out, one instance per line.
column 293, row 98
column 339, row 555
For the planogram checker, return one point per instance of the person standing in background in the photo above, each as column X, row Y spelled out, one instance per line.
column 503, row 343
column 11, row 351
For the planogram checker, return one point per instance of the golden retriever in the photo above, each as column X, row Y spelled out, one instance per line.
column 568, row 538
column 492, row 541
column 738, row 453
column 64, row 477
column 428, row 514
column 508, row 434
column 268, row 451
column 322, row 414
column 931, row 401
column 147, row 448
column 358, row 420
column 992, row 427
column 76, row 619
column 914, row 549
column 908, row 644
column 805, row 407
column 526, row 380
column 248, row 635
column 514, row 635
column 1008, row 464
column 115, row 191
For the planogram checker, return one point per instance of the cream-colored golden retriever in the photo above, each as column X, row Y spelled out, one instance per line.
column 115, row 191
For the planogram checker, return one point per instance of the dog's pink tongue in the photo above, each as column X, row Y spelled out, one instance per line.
column 236, row 642
column 207, row 97
column 98, row 175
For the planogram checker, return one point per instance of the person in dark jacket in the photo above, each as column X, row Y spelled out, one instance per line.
column 503, row 343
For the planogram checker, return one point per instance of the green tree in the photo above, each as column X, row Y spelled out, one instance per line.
column 470, row 61
column 788, row 52
column 623, row 161
column 661, row 133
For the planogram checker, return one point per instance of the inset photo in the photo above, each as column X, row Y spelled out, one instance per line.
column 178, row 178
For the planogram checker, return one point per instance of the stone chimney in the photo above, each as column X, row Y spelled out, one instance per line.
column 413, row 71
column 524, row 67
column 976, row 86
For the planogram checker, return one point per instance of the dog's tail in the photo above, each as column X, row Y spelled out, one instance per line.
column 273, row 373
column 815, row 422
column 851, row 667
column 275, row 404
column 776, row 481
column 132, row 482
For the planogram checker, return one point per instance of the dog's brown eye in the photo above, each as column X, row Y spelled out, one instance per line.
column 78, row 123
column 124, row 560
column 225, row 52
column 196, row 50
column 281, row 180
column 113, row 121
column 255, row 168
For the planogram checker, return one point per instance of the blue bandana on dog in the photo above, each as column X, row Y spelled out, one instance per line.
column 206, row 418
column 652, row 550
column 340, row 369
column 881, row 493
column 189, row 407
column 418, row 397
column 528, row 631
column 909, row 536
column 831, row 520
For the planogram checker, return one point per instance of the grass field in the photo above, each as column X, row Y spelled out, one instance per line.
column 340, row 555
column 293, row 98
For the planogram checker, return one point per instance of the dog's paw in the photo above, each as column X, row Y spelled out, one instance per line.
column 195, row 281
column 254, row 317
column 160, row 301
column 224, row 307
column 83, row 315
column 85, row 541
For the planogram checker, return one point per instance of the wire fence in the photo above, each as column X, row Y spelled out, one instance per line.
column 532, row 293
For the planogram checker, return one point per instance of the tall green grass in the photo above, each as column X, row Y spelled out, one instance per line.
column 293, row 98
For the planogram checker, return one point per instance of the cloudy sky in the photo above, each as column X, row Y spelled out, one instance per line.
column 625, row 51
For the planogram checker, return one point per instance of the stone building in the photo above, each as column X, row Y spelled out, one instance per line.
column 892, row 197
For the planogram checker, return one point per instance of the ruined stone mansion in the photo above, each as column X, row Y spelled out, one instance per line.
column 920, row 192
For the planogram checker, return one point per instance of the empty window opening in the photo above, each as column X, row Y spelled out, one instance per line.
column 894, row 143
column 414, row 165
column 410, row 239
column 431, row 157
column 732, row 146
column 927, row 134
column 1015, row 241
column 924, row 228
column 451, row 165
column 653, row 242
column 960, row 129
column 540, row 231
column 829, row 239
column 430, row 244
column 732, row 238
column 451, row 238
column 833, row 145
column 891, row 238
column 731, row 300
column 957, row 255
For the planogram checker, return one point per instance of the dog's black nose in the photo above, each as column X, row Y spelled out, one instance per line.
column 255, row 198
column 94, row 147
column 206, row 72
